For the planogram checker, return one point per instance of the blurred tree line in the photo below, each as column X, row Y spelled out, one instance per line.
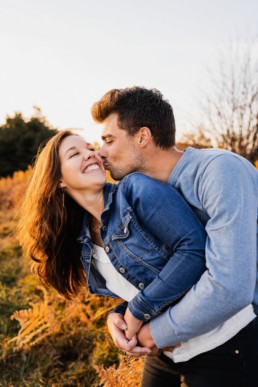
column 20, row 140
column 230, row 108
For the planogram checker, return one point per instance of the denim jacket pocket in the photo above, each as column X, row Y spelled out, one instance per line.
column 137, row 245
column 122, row 231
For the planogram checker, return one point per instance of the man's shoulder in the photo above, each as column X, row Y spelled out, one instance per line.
column 215, row 157
column 220, row 167
column 210, row 153
column 197, row 166
column 195, row 161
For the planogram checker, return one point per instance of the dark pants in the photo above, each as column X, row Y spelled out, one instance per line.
column 234, row 363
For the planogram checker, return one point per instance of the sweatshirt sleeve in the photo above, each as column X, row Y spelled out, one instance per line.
column 227, row 191
column 162, row 210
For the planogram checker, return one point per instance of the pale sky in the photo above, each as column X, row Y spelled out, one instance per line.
column 62, row 55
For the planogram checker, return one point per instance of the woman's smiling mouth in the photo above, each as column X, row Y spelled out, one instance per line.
column 91, row 167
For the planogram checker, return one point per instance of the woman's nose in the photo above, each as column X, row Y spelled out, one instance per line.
column 88, row 154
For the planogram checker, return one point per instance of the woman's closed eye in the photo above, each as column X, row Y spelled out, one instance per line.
column 73, row 154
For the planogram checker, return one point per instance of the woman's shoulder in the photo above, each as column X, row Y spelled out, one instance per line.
column 138, row 177
column 138, row 182
column 135, row 181
column 137, row 187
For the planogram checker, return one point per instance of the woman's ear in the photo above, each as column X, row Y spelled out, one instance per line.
column 62, row 184
column 144, row 136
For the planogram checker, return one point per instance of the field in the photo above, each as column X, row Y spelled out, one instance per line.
column 44, row 339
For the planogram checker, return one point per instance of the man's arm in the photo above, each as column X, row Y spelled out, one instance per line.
column 228, row 193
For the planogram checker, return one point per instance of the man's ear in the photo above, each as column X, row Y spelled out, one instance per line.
column 144, row 136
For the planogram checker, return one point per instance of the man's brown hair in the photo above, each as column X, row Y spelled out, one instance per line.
column 138, row 107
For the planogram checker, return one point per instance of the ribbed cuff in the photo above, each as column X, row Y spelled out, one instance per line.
column 161, row 331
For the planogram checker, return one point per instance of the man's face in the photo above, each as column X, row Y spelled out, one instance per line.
column 119, row 151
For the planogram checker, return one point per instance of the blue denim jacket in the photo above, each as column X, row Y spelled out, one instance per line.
column 152, row 238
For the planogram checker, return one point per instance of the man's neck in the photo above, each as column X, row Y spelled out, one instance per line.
column 159, row 163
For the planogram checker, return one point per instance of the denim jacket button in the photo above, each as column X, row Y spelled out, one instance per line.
column 141, row 285
column 104, row 228
column 87, row 260
column 122, row 270
column 107, row 249
column 146, row 316
column 125, row 230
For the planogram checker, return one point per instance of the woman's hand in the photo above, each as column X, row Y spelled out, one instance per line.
column 133, row 325
column 116, row 326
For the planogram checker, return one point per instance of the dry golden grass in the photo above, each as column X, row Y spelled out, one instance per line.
column 127, row 374
column 36, row 323
column 43, row 318
column 12, row 189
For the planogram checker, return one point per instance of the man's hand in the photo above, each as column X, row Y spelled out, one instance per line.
column 116, row 326
column 146, row 340
column 133, row 324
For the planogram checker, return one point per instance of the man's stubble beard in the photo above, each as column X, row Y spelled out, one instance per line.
column 120, row 173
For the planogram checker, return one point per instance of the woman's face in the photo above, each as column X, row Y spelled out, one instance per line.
column 81, row 167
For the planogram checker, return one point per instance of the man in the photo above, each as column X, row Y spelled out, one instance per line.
column 221, row 187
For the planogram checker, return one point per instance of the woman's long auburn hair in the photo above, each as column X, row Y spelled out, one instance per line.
column 49, row 224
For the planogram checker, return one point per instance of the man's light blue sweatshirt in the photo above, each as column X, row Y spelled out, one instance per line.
column 222, row 189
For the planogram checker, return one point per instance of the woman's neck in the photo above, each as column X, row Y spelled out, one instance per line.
column 92, row 202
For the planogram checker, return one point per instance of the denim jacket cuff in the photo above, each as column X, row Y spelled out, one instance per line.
column 121, row 308
column 140, row 309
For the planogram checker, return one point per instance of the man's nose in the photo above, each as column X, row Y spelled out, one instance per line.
column 102, row 152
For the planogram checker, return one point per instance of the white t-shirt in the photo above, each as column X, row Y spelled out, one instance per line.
column 116, row 283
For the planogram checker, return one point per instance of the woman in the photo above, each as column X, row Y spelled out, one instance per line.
column 137, row 240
